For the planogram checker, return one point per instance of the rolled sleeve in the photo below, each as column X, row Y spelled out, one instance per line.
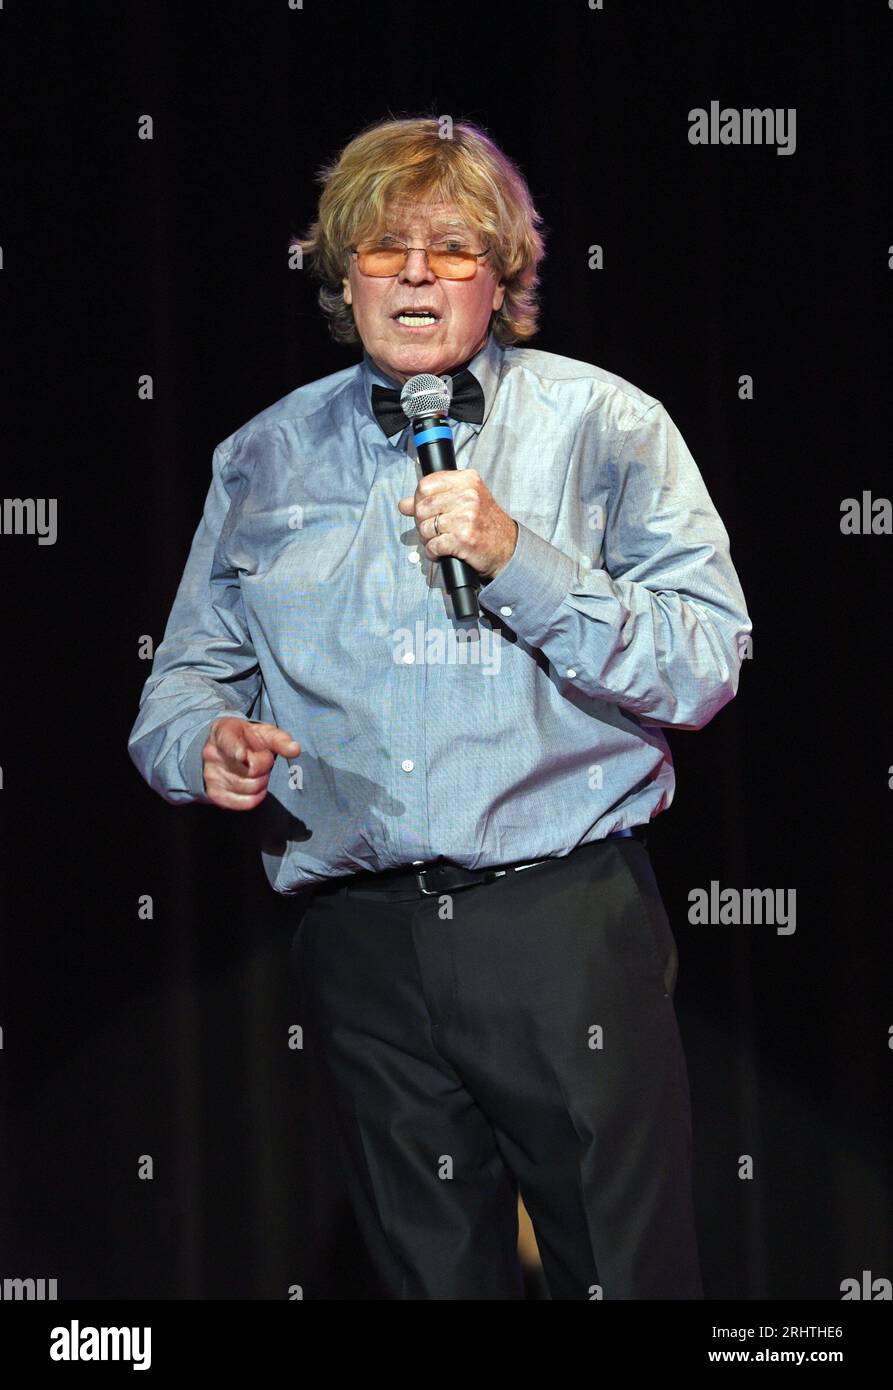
column 657, row 630
column 205, row 666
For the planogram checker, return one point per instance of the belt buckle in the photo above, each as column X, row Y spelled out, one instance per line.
column 420, row 874
column 429, row 892
column 489, row 876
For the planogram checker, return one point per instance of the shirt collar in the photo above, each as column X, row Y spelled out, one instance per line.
column 486, row 365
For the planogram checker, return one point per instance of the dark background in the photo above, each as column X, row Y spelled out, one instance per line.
column 168, row 1037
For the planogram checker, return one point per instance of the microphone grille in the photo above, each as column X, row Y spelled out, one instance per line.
column 426, row 394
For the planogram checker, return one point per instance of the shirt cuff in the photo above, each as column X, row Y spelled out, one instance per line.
column 536, row 580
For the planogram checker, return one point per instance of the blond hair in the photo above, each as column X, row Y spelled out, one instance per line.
column 422, row 159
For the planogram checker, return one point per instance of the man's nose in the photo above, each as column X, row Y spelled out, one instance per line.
column 416, row 268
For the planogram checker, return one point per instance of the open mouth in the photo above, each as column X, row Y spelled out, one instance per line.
column 415, row 319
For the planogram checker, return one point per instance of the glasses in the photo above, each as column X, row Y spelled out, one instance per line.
column 449, row 260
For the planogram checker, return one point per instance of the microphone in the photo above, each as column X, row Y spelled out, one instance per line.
column 425, row 400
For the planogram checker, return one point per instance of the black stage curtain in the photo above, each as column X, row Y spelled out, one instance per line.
column 167, row 1037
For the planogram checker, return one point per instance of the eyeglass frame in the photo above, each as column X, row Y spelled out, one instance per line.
column 476, row 254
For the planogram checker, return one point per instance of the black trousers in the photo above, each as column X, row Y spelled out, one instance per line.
column 515, row 1033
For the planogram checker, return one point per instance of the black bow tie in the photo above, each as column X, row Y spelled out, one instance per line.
column 467, row 403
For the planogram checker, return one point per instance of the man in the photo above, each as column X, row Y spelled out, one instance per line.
column 486, row 965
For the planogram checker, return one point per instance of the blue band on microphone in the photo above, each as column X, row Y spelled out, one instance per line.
column 436, row 432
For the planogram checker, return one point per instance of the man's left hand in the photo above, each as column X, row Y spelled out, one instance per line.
column 470, row 524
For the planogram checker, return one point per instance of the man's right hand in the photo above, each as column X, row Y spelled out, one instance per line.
column 237, row 760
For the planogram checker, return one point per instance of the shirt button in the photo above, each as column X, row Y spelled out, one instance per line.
column 407, row 764
column 409, row 657
column 571, row 673
column 414, row 560
column 506, row 612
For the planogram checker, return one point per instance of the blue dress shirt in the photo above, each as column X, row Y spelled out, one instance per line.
column 307, row 602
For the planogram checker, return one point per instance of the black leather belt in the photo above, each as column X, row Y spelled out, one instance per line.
column 442, row 876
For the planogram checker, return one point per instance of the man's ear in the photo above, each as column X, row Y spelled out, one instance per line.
column 347, row 295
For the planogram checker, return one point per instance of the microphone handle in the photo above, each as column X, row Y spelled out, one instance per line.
column 434, row 446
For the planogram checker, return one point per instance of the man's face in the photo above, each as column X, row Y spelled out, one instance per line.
column 462, row 308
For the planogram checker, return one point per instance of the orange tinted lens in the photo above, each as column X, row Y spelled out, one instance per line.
column 452, row 265
column 381, row 260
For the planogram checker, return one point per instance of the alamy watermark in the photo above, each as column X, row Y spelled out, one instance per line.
column 729, row 906
column 29, row 516
column 13, row 1290
column 748, row 126
column 453, row 647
